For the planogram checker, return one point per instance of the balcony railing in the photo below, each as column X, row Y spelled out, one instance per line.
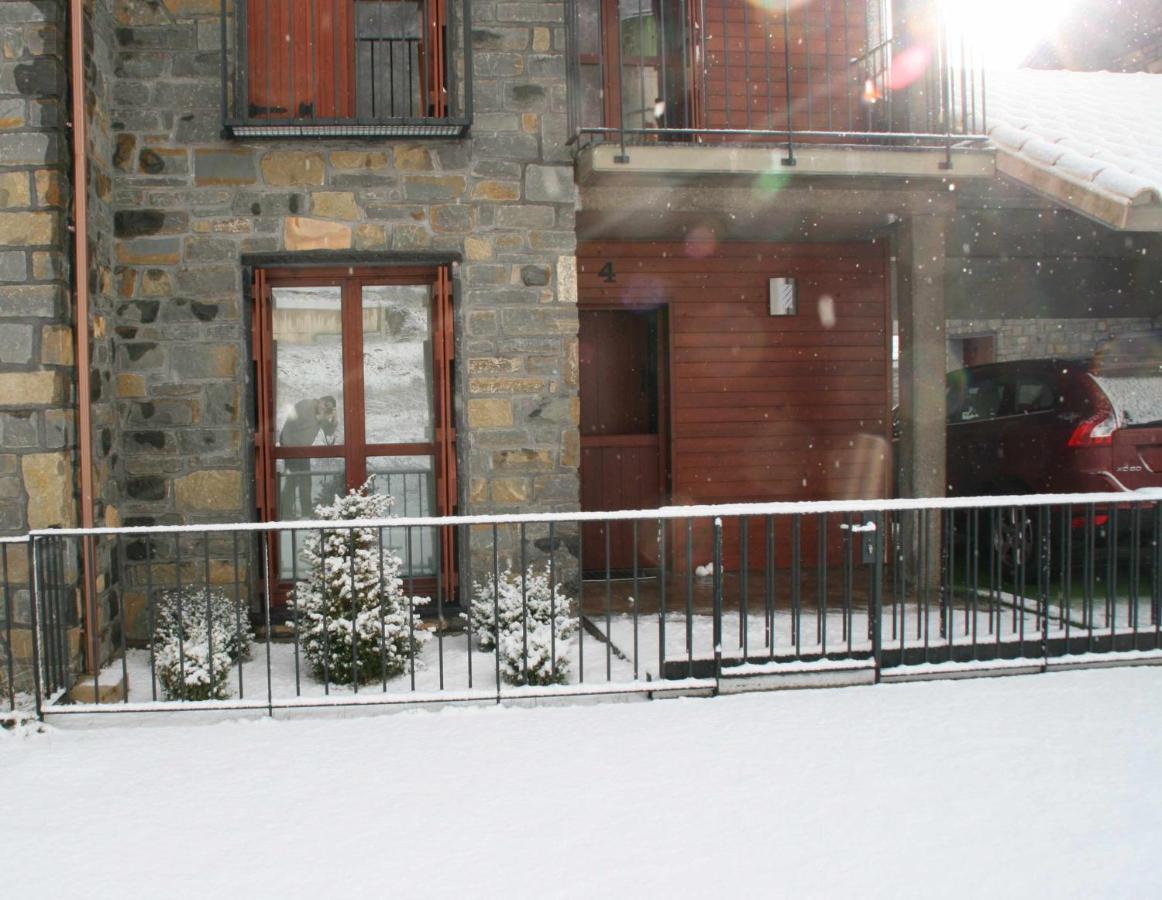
column 346, row 68
column 730, row 71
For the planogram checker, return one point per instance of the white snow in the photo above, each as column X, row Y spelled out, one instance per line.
column 1036, row 786
column 1100, row 130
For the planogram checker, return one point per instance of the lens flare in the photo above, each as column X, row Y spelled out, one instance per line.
column 700, row 243
column 909, row 66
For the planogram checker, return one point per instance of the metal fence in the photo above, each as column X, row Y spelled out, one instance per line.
column 833, row 71
column 684, row 599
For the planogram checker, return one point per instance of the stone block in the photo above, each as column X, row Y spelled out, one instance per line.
column 370, row 236
column 524, row 459
column 433, row 188
column 23, row 389
column 281, row 168
column 496, row 191
column 44, row 301
column 29, row 149
column 13, row 266
column 567, row 279
column 477, row 248
column 334, row 205
column 20, row 430
column 149, row 251
column 56, row 345
column 49, row 188
column 483, row 385
column 413, row 159
column 209, row 490
column 14, row 190
column 455, row 219
column 534, row 276
column 351, row 159
column 224, row 167
column 494, row 365
column 510, row 490
column 490, row 413
column 132, row 223
column 316, row 234
column 27, row 229
column 16, row 345
column 127, row 384
column 48, row 480
column 107, row 689
column 551, row 184
column 199, row 361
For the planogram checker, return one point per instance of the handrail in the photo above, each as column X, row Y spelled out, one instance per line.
column 777, row 508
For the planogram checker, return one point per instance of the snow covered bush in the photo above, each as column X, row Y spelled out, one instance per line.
column 538, row 627
column 353, row 616
column 198, row 636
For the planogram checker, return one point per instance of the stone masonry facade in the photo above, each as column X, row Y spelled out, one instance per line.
column 37, row 444
column 190, row 209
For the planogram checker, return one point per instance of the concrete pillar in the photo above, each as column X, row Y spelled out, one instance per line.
column 920, row 309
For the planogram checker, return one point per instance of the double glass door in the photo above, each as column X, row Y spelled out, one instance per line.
column 354, row 386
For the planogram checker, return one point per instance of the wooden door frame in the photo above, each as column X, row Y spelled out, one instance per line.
column 442, row 448
column 664, row 376
column 609, row 60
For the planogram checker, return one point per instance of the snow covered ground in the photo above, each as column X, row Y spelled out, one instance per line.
column 1036, row 786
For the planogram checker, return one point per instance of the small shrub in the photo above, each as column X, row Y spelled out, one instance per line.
column 198, row 636
column 353, row 616
column 540, row 625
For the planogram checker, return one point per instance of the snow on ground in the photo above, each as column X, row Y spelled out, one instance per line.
column 1029, row 786
column 445, row 662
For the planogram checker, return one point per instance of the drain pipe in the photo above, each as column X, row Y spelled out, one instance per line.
column 80, row 279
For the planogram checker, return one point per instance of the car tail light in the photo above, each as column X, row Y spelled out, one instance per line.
column 1079, row 521
column 1096, row 431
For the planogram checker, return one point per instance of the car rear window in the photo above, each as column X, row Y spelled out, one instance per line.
column 1136, row 399
column 980, row 398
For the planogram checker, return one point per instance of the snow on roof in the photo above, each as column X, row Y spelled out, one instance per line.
column 1100, row 132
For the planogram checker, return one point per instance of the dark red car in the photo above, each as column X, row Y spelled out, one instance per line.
column 1056, row 426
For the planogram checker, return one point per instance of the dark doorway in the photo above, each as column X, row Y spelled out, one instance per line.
column 622, row 432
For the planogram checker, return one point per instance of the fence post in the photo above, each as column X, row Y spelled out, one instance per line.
column 717, row 598
column 34, row 624
column 877, row 597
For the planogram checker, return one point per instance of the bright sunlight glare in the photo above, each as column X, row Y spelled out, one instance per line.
column 1003, row 31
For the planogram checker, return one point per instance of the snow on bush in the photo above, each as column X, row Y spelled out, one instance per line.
column 361, row 631
column 536, row 625
column 199, row 633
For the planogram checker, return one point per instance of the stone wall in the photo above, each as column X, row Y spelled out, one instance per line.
column 1038, row 338
column 100, row 40
column 191, row 210
column 36, row 338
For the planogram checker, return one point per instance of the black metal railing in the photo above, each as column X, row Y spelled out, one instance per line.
column 701, row 599
column 338, row 68
column 829, row 71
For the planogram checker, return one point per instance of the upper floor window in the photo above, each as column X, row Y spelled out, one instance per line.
column 357, row 68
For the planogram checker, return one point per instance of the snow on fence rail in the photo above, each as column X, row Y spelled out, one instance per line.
column 334, row 611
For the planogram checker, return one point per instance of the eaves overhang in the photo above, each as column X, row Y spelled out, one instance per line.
column 1140, row 213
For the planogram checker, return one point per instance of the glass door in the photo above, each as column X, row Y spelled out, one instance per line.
column 354, row 384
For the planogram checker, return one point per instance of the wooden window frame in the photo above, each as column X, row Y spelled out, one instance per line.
column 356, row 451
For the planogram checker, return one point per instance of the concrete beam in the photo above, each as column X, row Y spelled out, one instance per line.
column 604, row 162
